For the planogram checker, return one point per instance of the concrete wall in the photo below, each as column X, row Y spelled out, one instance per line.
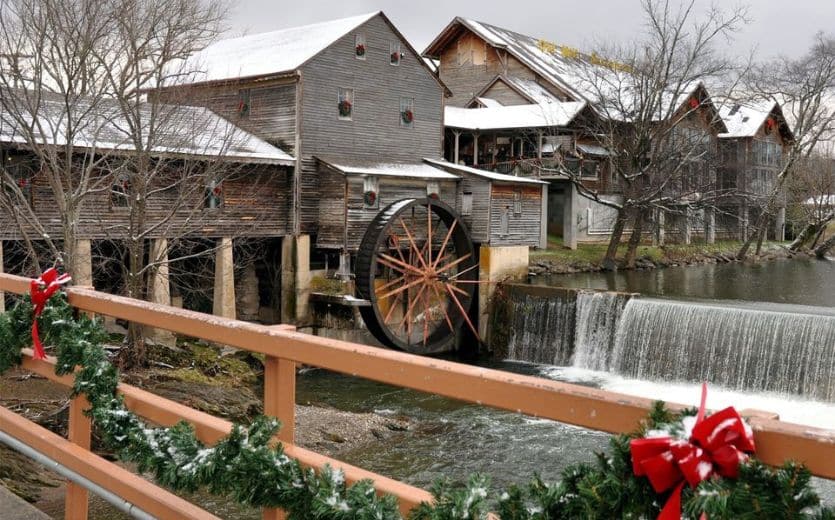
column 498, row 264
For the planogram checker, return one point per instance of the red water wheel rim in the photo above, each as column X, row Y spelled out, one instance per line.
column 417, row 267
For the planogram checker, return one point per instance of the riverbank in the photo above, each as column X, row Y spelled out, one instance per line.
column 199, row 376
column 558, row 259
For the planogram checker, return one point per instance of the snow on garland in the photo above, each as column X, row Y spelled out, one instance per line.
column 248, row 468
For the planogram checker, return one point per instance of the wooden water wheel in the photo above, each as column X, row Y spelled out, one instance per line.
column 417, row 266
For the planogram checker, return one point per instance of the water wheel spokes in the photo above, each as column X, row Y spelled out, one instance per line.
column 417, row 266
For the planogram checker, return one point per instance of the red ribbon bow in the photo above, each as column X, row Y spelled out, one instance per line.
column 41, row 290
column 717, row 444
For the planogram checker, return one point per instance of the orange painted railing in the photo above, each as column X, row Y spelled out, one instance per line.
column 285, row 349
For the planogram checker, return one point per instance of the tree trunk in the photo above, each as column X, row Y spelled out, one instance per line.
column 825, row 247
column 812, row 230
column 635, row 239
column 762, row 233
column 609, row 263
column 743, row 251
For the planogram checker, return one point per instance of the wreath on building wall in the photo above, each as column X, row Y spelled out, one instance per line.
column 408, row 116
column 345, row 108
column 694, row 103
column 396, row 56
column 369, row 198
column 691, row 464
column 360, row 49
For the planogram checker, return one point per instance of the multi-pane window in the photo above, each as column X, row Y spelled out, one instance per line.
column 395, row 55
column 22, row 173
column 346, row 103
column 433, row 189
column 360, row 49
column 407, row 112
column 119, row 191
column 244, row 102
column 517, row 202
column 214, row 195
column 589, row 169
column 371, row 193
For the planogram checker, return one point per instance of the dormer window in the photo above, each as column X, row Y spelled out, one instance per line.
column 244, row 103
column 394, row 53
column 346, row 104
column 359, row 46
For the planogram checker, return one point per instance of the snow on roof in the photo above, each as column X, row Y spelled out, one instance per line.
column 179, row 130
column 532, row 89
column 744, row 119
column 593, row 149
column 515, row 116
column 273, row 52
column 405, row 170
column 493, row 176
column 562, row 66
column 489, row 102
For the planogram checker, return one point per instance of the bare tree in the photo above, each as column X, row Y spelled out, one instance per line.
column 804, row 87
column 653, row 112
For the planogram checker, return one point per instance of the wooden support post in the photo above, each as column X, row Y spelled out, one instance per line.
column 280, row 402
column 2, row 294
column 475, row 149
column 457, row 135
column 76, row 499
column 539, row 145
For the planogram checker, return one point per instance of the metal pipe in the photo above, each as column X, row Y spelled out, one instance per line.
column 115, row 500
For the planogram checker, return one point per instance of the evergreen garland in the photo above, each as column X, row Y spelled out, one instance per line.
column 248, row 468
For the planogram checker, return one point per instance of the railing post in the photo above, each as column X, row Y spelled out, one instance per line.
column 280, row 402
column 79, row 430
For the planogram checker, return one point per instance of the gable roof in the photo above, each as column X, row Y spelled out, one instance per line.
column 514, row 116
column 744, row 119
column 182, row 131
column 558, row 67
column 269, row 53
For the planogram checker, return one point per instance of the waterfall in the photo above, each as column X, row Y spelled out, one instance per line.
column 542, row 329
column 598, row 314
column 770, row 348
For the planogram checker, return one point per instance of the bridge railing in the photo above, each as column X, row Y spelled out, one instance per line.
column 284, row 349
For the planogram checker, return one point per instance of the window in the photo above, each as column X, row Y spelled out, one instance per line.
column 589, row 169
column 407, row 112
column 244, row 103
column 22, row 171
column 359, row 46
column 119, row 191
column 394, row 53
column 433, row 189
column 214, row 195
column 467, row 203
column 371, row 193
column 346, row 104
column 517, row 202
column 504, row 222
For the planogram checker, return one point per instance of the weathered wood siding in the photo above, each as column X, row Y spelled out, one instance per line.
column 332, row 211
column 390, row 190
column 272, row 113
column 478, row 221
column 255, row 205
column 504, row 94
column 522, row 229
column 375, row 132
column 468, row 65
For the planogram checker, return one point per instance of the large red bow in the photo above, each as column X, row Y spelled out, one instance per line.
column 717, row 444
column 41, row 290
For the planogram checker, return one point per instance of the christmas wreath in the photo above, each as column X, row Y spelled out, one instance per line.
column 369, row 198
column 345, row 108
column 395, row 57
column 360, row 49
column 408, row 116
column 633, row 481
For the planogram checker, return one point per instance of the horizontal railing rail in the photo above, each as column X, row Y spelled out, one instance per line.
column 597, row 409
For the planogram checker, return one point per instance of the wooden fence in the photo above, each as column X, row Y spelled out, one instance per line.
column 285, row 349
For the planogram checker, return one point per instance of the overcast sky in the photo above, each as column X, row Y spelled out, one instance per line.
column 777, row 26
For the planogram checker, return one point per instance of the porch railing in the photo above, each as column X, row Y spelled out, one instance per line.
column 531, row 167
column 284, row 349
